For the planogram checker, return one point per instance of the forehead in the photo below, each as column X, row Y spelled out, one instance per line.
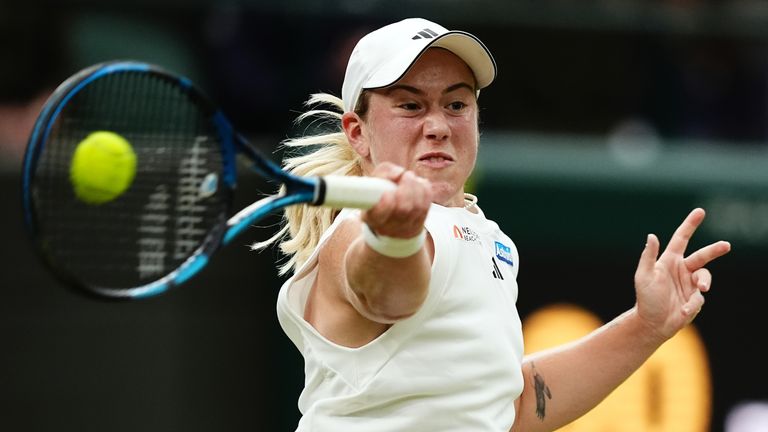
column 439, row 65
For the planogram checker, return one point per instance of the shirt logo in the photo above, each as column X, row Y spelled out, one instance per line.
column 504, row 253
column 465, row 233
column 496, row 272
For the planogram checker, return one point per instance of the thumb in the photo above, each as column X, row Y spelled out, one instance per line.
column 388, row 171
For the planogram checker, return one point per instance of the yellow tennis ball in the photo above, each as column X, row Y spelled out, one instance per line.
column 103, row 166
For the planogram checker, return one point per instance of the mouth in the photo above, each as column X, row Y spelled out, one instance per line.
column 435, row 160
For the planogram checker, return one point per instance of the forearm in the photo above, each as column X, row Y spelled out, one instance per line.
column 386, row 289
column 564, row 383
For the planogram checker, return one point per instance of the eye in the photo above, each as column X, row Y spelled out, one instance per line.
column 409, row 106
column 457, row 106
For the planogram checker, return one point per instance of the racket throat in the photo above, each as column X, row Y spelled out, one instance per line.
column 320, row 191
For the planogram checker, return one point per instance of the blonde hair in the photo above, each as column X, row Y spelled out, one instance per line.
column 303, row 225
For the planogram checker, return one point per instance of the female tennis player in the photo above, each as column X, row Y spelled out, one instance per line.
column 406, row 313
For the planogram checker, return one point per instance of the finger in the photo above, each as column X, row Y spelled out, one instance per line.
column 693, row 306
column 404, row 210
column 390, row 200
column 702, row 279
column 416, row 200
column 379, row 213
column 703, row 256
column 685, row 231
column 649, row 255
column 409, row 193
column 417, row 196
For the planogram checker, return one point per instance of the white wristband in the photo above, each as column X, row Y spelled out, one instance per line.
column 392, row 246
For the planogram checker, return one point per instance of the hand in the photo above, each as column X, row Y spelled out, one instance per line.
column 669, row 290
column 400, row 213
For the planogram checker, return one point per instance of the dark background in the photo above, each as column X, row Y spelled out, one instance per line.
column 211, row 356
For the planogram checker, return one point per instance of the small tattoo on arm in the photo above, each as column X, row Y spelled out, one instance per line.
column 541, row 390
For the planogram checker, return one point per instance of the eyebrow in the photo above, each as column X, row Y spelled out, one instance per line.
column 417, row 91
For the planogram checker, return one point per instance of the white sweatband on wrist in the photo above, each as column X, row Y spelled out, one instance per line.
column 392, row 246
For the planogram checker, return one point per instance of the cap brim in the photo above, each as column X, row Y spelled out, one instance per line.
column 465, row 45
column 474, row 53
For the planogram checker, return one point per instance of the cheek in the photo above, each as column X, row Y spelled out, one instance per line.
column 467, row 150
column 468, row 158
column 466, row 126
column 468, row 135
column 388, row 140
column 399, row 127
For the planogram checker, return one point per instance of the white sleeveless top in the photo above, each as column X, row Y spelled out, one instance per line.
column 455, row 365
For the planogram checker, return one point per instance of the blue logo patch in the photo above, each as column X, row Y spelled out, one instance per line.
column 504, row 253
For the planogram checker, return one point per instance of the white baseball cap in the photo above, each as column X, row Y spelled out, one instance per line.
column 383, row 56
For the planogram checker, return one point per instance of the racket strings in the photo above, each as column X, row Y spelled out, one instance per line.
column 174, row 200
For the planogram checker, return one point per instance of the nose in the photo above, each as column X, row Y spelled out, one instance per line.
column 436, row 126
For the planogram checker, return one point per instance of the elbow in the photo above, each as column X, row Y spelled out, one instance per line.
column 386, row 290
column 387, row 309
column 391, row 316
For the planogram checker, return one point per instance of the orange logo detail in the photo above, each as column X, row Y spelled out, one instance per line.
column 457, row 232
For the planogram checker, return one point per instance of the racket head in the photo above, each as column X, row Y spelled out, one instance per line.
column 164, row 227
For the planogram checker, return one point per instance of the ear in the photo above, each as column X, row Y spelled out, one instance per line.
column 353, row 129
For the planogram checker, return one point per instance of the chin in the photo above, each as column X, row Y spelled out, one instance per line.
column 444, row 193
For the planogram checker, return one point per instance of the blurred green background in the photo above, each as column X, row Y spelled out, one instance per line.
column 608, row 120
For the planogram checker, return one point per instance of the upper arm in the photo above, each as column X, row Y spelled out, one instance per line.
column 328, row 308
column 353, row 310
column 386, row 289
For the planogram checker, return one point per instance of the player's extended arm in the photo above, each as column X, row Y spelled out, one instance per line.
column 566, row 382
column 382, row 288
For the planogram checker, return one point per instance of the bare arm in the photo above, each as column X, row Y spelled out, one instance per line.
column 360, row 292
column 385, row 289
column 564, row 383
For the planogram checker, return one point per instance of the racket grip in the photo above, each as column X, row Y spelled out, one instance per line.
column 339, row 191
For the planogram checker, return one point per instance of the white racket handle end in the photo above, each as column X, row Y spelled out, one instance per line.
column 339, row 191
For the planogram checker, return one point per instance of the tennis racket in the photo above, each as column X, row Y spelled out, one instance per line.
column 177, row 211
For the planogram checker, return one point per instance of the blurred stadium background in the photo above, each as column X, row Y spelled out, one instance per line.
column 608, row 120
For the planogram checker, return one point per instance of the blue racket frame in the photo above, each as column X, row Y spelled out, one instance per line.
column 296, row 189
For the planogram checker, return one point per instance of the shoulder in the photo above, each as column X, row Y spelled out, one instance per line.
column 336, row 239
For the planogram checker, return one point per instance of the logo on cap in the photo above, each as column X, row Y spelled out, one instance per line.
column 426, row 34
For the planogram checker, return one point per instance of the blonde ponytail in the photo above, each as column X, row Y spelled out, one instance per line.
column 303, row 224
